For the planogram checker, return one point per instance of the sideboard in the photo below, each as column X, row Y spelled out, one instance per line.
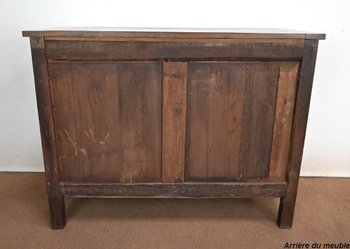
column 167, row 113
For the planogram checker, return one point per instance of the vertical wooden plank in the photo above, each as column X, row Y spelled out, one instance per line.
column 258, row 117
column 44, row 104
column 63, row 100
column 140, row 101
column 231, row 109
column 108, row 119
column 218, row 83
column 288, row 78
column 96, row 113
column 234, row 121
column 197, row 115
column 301, row 111
column 211, row 125
column 174, row 121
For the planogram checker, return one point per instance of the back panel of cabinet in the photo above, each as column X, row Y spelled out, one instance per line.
column 107, row 120
column 238, row 119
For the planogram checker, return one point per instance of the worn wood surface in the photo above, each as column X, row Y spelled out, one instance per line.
column 287, row 203
column 108, row 121
column 207, row 96
column 228, row 33
column 107, row 50
column 258, row 115
column 230, row 113
column 237, row 41
column 142, row 114
column 174, row 119
column 163, row 190
column 57, row 212
column 234, row 119
column 64, row 111
column 43, row 96
column 287, row 86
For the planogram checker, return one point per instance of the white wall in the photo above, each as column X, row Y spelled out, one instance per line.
column 327, row 149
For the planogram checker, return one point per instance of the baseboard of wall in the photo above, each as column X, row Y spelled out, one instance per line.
column 22, row 169
column 306, row 173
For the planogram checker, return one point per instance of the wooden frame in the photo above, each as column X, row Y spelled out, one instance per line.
column 287, row 204
column 175, row 51
column 43, row 95
column 176, row 190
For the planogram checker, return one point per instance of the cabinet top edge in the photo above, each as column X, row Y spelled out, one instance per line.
column 193, row 33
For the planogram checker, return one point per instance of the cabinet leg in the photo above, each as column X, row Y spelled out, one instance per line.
column 286, row 212
column 57, row 212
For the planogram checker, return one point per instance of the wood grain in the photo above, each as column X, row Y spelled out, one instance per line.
column 230, row 119
column 140, row 103
column 196, row 160
column 107, row 50
column 287, row 85
column 47, row 131
column 174, row 120
column 228, row 33
column 64, row 109
column 175, row 190
column 97, row 120
column 167, row 114
column 258, row 115
column 234, row 119
column 113, row 133
column 284, row 41
column 207, row 120
column 301, row 112
column 218, row 84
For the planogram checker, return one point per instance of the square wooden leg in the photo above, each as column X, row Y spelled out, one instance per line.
column 57, row 212
column 286, row 212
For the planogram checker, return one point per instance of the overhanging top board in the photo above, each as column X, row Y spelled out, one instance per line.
column 189, row 33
